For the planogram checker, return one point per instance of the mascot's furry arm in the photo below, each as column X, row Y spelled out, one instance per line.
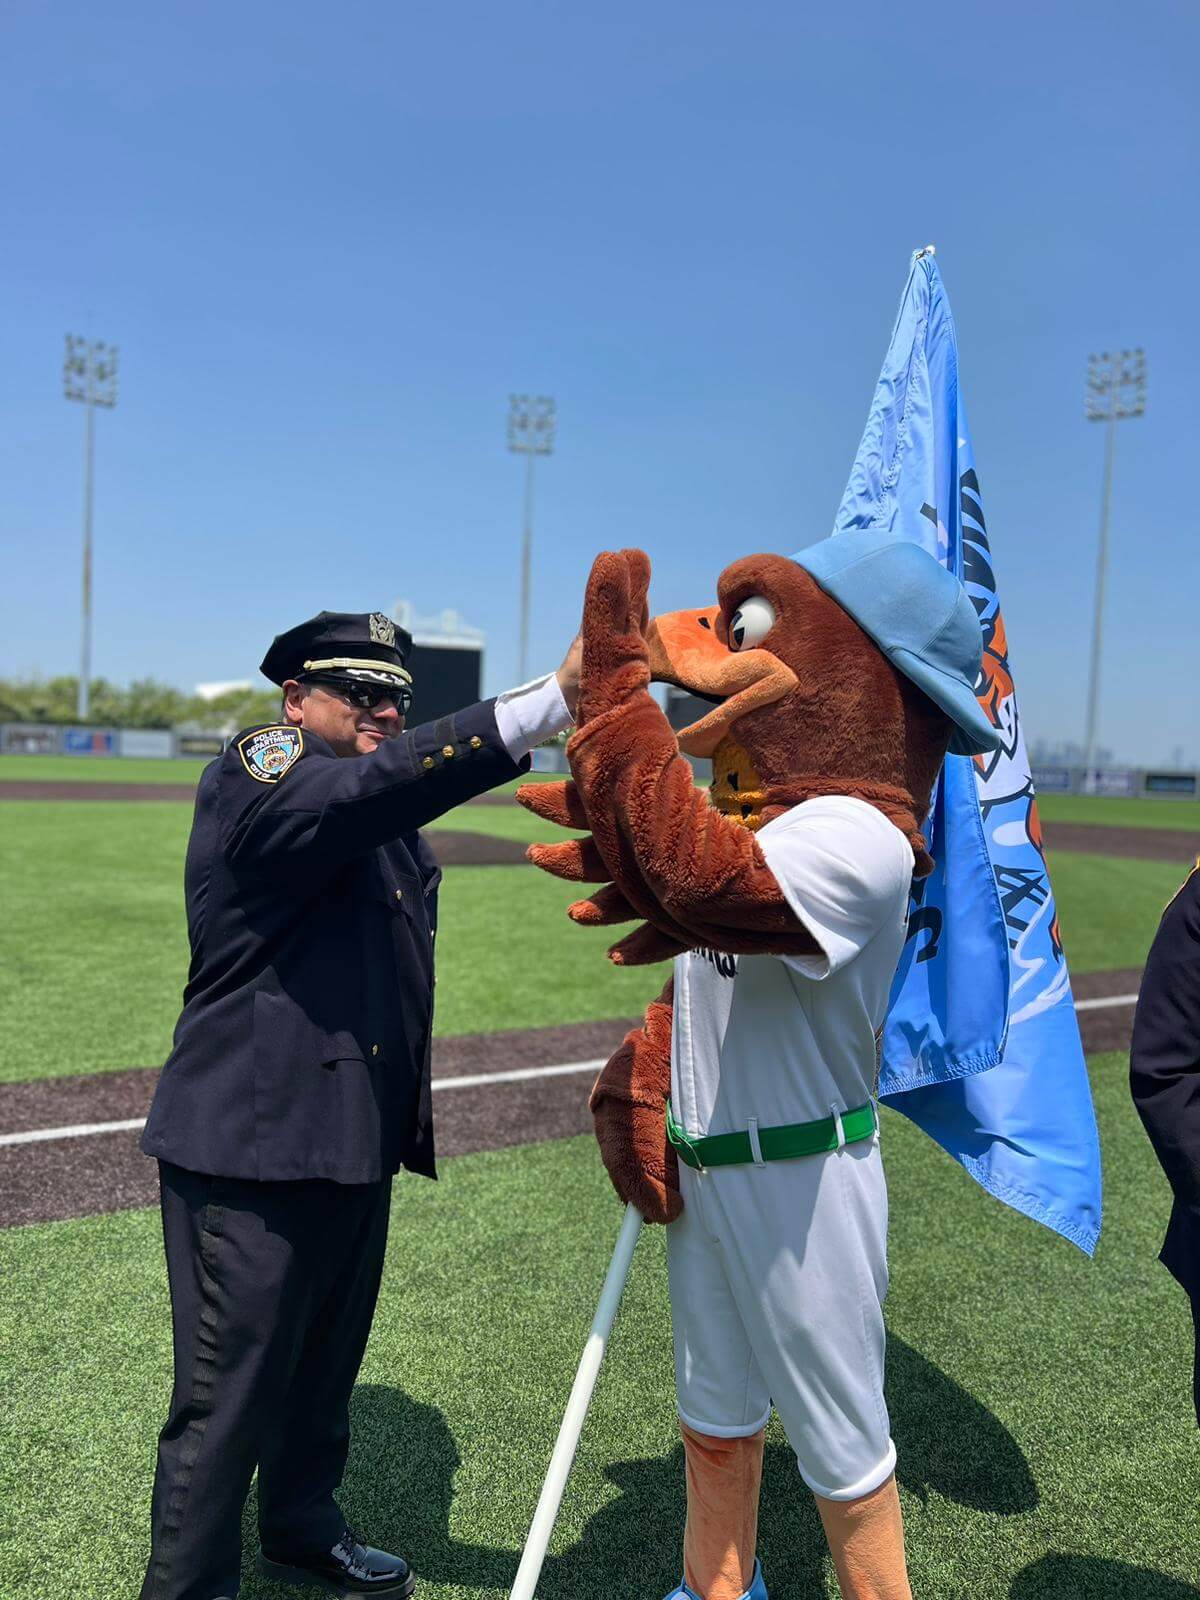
column 627, row 1107
column 695, row 876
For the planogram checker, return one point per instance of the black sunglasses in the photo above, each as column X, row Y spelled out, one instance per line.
column 366, row 696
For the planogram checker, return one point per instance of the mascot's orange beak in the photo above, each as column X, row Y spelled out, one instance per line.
column 686, row 649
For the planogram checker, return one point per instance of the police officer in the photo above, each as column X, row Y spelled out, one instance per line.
column 1164, row 1071
column 298, row 1084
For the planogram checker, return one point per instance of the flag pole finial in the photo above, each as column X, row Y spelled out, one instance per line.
column 929, row 250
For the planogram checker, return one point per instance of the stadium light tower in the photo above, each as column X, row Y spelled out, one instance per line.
column 532, row 421
column 89, row 376
column 1116, row 389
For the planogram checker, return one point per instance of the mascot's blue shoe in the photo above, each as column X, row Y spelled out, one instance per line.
column 756, row 1591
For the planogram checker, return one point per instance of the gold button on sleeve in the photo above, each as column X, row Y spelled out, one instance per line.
column 428, row 762
column 399, row 894
column 374, row 1049
column 447, row 751
column 476, row 742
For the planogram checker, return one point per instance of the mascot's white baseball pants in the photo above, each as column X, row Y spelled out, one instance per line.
column 778, row 1273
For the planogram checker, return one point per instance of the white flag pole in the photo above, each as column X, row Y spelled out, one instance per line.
column 581, row 1396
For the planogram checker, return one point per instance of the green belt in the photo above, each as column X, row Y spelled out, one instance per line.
column 774, row 1144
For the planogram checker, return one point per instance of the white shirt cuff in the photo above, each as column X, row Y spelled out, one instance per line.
column 531, row 714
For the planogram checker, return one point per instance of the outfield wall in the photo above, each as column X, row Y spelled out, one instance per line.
column 53, row 739
column 1155, row 783
column 57, row 739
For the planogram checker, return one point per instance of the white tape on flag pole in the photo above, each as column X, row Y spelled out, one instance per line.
column 577, row 1407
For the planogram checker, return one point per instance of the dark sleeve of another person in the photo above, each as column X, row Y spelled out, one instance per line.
column 1164, row 1062
column 325, row 809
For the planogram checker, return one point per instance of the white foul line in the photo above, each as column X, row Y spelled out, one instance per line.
column 474, row 1080
column 35, row 1135
column 1108, row 1000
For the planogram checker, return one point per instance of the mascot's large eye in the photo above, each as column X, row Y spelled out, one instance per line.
column 751, row 622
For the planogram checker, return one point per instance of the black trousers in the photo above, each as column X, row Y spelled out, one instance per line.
column 273, row 1287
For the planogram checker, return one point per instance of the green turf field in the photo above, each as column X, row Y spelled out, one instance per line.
column 1117, row 813
column 93, row 946
column 1040, row 1401
column 118, row 769
column 96, row 769
column 106, row 879
column 94, row 954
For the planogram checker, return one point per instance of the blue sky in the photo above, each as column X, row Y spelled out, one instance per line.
column 330, row 241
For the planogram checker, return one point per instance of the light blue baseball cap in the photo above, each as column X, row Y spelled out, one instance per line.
column 919, row 615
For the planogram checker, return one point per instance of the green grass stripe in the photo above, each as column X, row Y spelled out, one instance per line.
column 1040, row 1402
column 1109, row 907
column 503, row 822
column 93, row 945
column 100, row 769
column 1120, row 813
column 137, row 769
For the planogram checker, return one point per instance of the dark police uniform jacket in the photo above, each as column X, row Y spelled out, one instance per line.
column 303, row 1048
column 1164, row 1070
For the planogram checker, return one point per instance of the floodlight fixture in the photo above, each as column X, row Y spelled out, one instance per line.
column 532, row 429
column 1114, row 390
column 90, row 378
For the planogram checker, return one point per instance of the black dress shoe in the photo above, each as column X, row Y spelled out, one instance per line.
column 351, row 1569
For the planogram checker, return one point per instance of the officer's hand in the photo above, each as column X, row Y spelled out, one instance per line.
column 568, row 673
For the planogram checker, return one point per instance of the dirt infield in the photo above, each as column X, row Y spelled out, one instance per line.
column 1138, row 844
column 28, row 789
column 454, row 849
column 84, row 1175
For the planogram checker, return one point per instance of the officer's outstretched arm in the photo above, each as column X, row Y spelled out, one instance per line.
column 294, row 797
column 1164, row 1061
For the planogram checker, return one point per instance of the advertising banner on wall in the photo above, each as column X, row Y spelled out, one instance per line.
column 145, row 742
column 29, row 739
column 89, row 741
column 1115, row 782
column 199, row 744
column 1051, row 780
column 1180, row 783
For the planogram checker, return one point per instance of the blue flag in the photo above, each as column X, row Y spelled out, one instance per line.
column 981, row 1047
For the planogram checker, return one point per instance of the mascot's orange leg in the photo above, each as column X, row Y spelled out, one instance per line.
column 723, row 1479
column 866, row 1541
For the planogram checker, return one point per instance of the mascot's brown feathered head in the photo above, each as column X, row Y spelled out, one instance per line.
column 850, row 669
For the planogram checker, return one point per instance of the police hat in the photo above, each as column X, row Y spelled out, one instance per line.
column 363, row 645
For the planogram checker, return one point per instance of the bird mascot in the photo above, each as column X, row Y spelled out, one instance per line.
column 742, row 1112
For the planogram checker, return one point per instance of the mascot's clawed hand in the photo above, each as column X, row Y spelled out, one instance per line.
column 613, row 684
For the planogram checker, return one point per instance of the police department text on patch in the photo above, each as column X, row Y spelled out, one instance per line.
column 269, row 753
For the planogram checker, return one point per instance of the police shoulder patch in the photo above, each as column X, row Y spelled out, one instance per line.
column 268, row 753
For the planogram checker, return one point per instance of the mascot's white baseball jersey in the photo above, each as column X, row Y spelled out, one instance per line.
column 778, row 1268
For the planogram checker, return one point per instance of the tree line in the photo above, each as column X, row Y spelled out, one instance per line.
column 145, row 703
